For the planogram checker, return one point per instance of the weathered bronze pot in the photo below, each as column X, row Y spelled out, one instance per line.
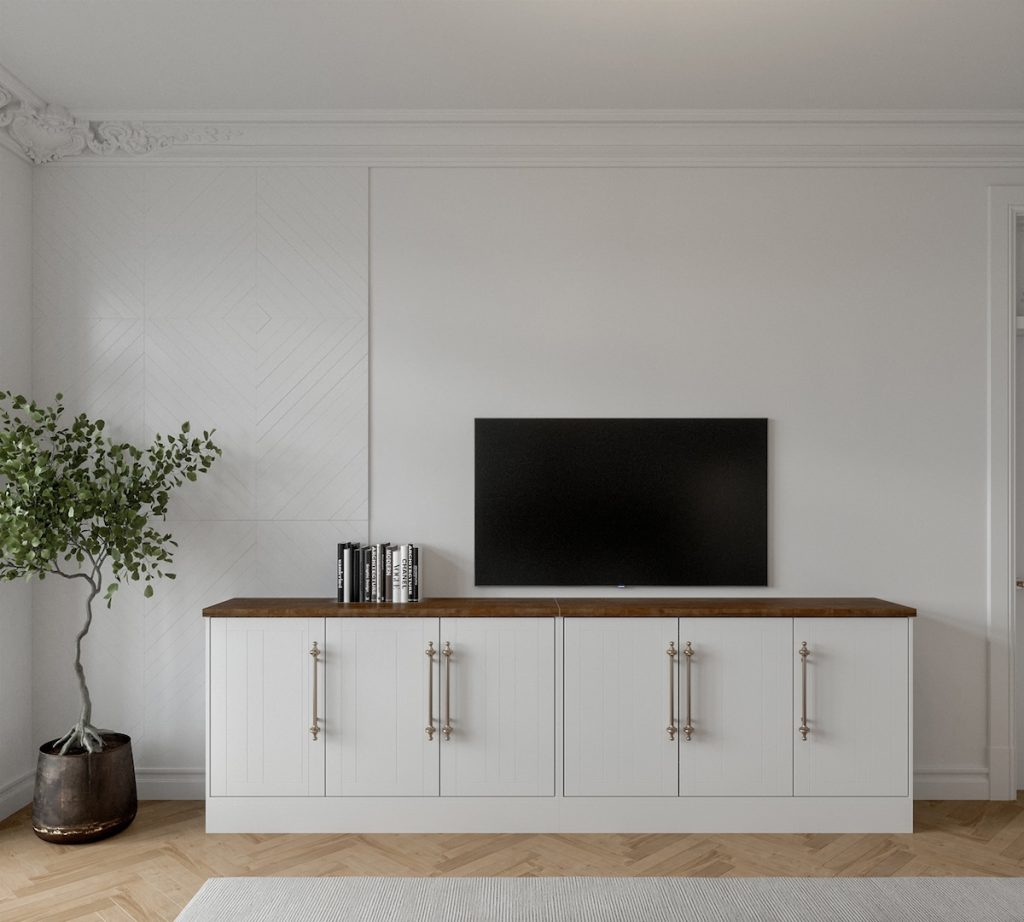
column 82, row 797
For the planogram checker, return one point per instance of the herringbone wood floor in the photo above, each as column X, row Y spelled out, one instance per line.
column 153, row 869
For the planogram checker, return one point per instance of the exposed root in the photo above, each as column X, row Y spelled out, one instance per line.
column 82, row 735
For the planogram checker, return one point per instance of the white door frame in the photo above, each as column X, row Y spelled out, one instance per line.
column 1006, row 208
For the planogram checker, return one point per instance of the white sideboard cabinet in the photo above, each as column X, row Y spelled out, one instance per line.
column 533, row 715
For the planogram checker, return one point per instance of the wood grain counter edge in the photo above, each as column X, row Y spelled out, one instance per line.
column 566, row 608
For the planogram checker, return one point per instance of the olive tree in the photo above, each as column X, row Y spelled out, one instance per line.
column 76, row 504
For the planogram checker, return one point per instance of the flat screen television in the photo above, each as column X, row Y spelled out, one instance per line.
column 621, row 502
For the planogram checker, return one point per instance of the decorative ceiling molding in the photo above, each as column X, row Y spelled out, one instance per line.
column 600, row 139
column 48, row 133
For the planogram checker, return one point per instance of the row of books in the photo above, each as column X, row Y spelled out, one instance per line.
column 378, row 572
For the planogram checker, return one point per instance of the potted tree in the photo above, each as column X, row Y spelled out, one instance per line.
column 79, row 505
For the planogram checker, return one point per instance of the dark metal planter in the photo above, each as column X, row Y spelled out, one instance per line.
column 85, row 796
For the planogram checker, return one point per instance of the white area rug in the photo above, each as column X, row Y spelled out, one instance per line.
column 606, row 899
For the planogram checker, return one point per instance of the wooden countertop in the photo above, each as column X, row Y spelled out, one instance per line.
column 567, row 608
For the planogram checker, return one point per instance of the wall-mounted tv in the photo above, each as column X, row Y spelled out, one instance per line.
column 621, row 502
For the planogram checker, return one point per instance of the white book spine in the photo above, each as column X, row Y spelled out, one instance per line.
column 404, row 576
column 351, row 577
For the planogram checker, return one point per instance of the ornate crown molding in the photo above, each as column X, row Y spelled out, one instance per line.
column 47, row 133
column 43, row 133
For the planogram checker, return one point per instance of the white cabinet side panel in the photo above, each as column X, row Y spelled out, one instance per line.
column 616, row 707
column 741, row 705
column 502, row 707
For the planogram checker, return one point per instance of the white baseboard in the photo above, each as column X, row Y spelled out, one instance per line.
column 968, row 783
column 171, row 783
column 956, row 783
column 153, row 784
column 16, row 794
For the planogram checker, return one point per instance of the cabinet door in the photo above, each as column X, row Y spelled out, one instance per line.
column 616, row 707
column 740, row 693
column 261, row 707
column 498, row 697
column 857, row 707
column 381, row 687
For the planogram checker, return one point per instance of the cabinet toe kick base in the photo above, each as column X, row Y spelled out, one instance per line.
column 560, row 814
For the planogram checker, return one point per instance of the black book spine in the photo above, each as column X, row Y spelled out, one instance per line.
column 414, row 574
column 366, row 595
column 378, row 570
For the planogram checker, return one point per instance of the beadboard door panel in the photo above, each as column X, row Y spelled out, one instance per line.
column 619, row 681
column 502, row 713
column 741, row 693
column 382, row 695
column 857, row 707
column 261, row 707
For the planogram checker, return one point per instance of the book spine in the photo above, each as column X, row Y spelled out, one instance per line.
column 388, row 566
column 396, row 574
column 403, row 574
column 364, row 595
column 349, row 571
column 382, row 550
column 414, row 573
column 374, row 587
column 341, row 572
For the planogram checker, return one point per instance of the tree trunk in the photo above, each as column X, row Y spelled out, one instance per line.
column 83, row 735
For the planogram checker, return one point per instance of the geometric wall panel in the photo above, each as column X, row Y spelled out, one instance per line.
column 235, row 297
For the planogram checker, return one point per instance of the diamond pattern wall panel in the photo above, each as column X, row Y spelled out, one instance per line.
column 235, row 297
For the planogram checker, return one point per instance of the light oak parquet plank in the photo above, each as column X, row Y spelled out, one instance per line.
column 155, row 867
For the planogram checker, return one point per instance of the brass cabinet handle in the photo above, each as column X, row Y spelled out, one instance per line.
column 315, row 653
column 688, row 728
column 804, row 728
column 447, row 728
column 672, row 653
column 430, row 651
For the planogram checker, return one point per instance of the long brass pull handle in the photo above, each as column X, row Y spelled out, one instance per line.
column 447, row 728
column 688, row 728
column 804, row 728
column 430, row 651
column 315, row 653
column 672, row 652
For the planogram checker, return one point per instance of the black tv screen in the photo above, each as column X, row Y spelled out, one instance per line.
column 621, row 502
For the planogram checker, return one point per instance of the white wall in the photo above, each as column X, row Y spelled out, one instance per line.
column 17, row 749
column 846, row 305
column 236, row 298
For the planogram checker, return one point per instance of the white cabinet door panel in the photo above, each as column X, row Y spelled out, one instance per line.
column 616, row 707
column 857, row 707
column 502, row 685
column 377, row 707
column 261, row 707
column 741, row 695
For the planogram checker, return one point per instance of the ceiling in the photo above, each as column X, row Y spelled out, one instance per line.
column 124, row 56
